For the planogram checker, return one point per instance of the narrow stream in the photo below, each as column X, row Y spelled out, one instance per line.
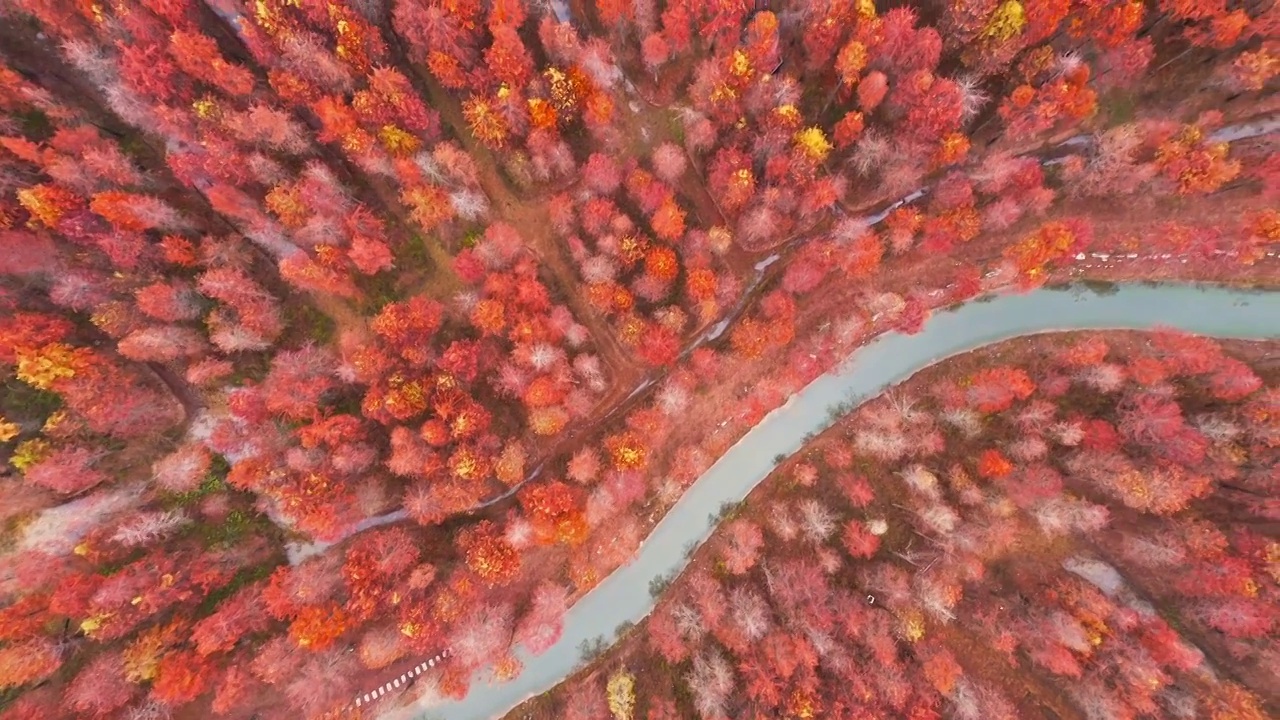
column 886, row 361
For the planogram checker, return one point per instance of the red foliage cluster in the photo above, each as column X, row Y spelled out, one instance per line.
column 353, row 286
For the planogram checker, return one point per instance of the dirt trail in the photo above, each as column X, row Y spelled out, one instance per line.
column 191, row 403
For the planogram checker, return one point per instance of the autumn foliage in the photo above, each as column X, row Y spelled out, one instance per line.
column 337, row 334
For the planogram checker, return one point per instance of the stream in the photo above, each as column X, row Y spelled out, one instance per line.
column 887, row 360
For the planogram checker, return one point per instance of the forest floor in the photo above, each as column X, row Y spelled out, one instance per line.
column 1036, row 696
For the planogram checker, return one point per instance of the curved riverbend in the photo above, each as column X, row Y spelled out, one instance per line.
column 889, row 359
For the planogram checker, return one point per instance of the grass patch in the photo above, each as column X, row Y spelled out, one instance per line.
column 314, row 324
column 214, row 481
column 413, row 252
column 246, row 576
column 675, row 127
column 379, row 291
column 111, row 568
column 35, row 125
column 234, row 529
column 1118, row 107
column 24, row 402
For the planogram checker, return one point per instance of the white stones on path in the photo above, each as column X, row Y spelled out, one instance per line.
column 403, row 680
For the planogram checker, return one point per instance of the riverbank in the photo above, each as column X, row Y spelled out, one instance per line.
column 1003, row 520
column 889, row 359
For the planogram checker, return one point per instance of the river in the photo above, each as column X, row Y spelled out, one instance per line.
column 885, row 361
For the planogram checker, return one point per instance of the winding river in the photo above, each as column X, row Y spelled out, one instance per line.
column 885, row 361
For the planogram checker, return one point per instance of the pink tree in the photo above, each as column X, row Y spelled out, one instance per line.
column 482, row 637
column 741, row 545
column 544, row 621
column 67, row 471
column 858, row 540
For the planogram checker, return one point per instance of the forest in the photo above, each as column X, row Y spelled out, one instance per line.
column 1075, row 526
column 336, row 336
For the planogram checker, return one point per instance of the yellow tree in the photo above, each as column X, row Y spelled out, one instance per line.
column 621, row 691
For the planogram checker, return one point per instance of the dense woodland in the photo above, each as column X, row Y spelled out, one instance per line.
column 335, row 334
column 1077, row 527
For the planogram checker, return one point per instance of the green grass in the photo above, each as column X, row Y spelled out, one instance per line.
column 314, row 324
column 246, row 576
column 35, row 125
column 1118, row 107
column 676, row 127
column 111, row 568
column 232, row 530
column 214, row 481
column 22, row 401
column 379, row 291
column 413, row 252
